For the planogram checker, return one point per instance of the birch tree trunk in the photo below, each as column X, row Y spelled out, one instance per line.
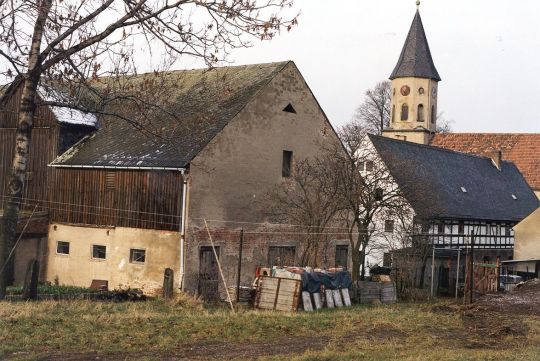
column 8, row 224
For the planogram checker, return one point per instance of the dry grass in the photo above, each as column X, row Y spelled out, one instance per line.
column 184, row 328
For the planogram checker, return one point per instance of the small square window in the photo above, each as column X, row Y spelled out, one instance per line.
column 99, row 252
column 389, row 226
column 367, row 166
column 137, row 255
column 287, row 164
column 62, row 247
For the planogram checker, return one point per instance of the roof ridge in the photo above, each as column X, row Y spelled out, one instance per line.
column 205, row 69
column 485, row 133
column 437, row 148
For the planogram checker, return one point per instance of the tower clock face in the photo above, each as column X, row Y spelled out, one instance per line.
column 434, row 91
column 405, row 90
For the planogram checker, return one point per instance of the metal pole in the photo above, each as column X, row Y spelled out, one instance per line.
column 239, row 266
column 457, row 271
column 432, row 270
column 219, row 266
column 471, row 270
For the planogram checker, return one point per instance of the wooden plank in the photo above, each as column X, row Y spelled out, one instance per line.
column 317, row 300
column 346, row 297
column 329, row 299
column 306, row 299
column 337, row 298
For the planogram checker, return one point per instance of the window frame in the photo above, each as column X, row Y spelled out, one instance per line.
column 131, row 254
column 280, row 249
column 61, row 253
column 98, row 258
column 404, row 114
column 287, row 163
column 420, row 116
column 389, row 226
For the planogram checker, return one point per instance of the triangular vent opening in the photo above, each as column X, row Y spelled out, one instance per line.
column 289, row 109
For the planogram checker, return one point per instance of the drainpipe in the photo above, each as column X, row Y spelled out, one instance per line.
column 183, row 223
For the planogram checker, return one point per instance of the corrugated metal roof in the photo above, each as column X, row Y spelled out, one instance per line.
column 185, row 110
column 432, row 179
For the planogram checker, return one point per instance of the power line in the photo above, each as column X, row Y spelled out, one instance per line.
column 178, row 217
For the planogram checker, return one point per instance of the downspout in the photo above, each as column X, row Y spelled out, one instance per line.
column 183, row 223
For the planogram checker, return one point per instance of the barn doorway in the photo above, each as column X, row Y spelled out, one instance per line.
column 208, row 274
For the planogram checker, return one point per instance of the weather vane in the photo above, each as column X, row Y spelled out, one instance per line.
column 417, row 3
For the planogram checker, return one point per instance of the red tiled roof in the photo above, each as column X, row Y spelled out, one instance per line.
column 521, row 149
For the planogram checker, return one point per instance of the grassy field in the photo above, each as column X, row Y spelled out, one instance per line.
column 186, row 330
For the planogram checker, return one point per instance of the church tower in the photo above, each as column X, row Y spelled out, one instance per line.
column 414, row 89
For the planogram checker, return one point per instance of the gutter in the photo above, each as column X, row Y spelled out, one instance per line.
column 183, row 223
column 181, row 170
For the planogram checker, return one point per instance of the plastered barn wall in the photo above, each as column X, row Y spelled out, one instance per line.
column 79, row 268
column 527, row 237
column 232, row 175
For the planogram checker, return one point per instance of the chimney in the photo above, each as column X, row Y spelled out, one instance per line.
column 496, row 158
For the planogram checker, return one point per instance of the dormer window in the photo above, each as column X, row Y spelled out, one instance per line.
column 514, row 197
column 464, row 190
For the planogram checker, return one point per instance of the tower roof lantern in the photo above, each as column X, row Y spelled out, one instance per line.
column 415, row 59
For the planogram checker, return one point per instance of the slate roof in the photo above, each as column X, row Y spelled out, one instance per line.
column 194, row 106
column 415, row 59
column 431, row 179
column 521, row 149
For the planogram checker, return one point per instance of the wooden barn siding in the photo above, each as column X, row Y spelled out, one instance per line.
column 138, row 199
column 43, row 149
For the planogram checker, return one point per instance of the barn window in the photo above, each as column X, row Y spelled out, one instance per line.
column 137, row 255
column 421, row 117
column 281, row 255
column 286, row 166
column 110, row 181
column 289, row 109
column 342, row 256
column 62, row 247
column 389, row 226
column 404, row 112
column 99, row 252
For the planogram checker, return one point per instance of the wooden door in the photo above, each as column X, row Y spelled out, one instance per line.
column 208, row 274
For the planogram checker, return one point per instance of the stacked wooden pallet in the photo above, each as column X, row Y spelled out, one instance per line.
column 280, row 294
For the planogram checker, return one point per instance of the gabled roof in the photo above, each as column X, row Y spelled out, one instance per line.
column 415, row 59
column 521, row 149
column 193, row 106
column 440, row 183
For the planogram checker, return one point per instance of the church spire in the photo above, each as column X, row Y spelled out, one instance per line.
column 415, row 59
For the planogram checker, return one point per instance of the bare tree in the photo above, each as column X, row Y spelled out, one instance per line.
column 367, row 190
column 443, row 125
column 309, row 199
column 72, row 42
column 374, row 112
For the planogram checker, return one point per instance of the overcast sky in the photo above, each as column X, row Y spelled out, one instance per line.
column 486, row 51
